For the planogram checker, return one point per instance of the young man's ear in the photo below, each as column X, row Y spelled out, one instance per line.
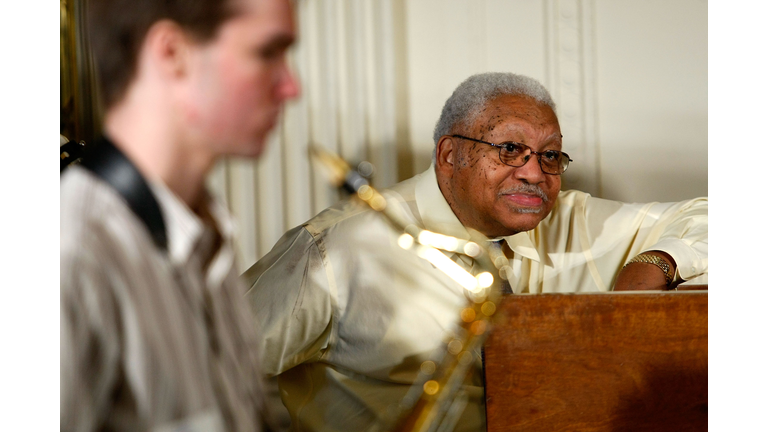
column 444, row 155
column 167, row 47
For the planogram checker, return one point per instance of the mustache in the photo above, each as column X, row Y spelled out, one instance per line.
column 526, row 189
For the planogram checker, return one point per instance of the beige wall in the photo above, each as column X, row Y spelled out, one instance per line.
column 629, row 78
column 652, row 98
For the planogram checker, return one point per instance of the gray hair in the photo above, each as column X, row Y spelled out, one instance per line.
column 471, row 96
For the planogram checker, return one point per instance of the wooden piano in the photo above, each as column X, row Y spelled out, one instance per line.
column 623, row 361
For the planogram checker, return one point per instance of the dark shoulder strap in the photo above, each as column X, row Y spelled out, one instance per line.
column 108, row 163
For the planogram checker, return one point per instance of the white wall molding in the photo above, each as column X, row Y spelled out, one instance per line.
column 570, row 79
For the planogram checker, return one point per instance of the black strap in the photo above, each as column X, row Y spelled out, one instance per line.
column 107, row 162
column 70, row 153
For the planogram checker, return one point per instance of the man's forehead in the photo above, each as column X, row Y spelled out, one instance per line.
column 510, row 113
column 266, row 9
column 264, row 21
column 520, row 106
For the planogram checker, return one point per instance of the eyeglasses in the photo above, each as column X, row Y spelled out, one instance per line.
column 516, row 155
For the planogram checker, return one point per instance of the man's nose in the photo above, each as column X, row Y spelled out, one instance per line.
column 531, row 171
column 288, row 86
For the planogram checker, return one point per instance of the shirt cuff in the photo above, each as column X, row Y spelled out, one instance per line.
column 689, row 263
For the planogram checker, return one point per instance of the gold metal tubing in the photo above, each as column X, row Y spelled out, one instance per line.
column 425, row 405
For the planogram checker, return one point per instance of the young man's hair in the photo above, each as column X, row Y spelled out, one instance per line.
column 117, row 28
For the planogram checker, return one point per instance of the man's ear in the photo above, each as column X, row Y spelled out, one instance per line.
column 445, row 155
column 167, row 47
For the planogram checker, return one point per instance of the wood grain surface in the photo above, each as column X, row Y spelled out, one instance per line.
column 599, row 362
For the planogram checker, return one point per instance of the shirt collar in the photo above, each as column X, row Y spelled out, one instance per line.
column 522, row 244
column 184, row 228
column 434, row 209
column 438, row 217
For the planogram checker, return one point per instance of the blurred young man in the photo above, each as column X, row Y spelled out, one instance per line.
column 154, row 332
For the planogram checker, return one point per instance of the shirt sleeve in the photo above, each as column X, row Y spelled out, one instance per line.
column 683, row 233
column 610, row 233
column 291, row 296
column 88, row 347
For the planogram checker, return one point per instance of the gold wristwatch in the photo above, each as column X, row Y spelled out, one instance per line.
column 655, row 260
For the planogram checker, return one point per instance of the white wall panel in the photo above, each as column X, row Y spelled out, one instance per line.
column 652, row 87
column 269, row 190
column 513, row 43
column 381, row 91
column 446, row 43
column 571, row 81
column 297, row 172
column 241, row 182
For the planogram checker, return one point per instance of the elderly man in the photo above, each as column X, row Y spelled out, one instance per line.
column 349, row 316
column 154, row 333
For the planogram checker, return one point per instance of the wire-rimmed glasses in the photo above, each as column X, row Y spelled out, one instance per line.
column 516, row 155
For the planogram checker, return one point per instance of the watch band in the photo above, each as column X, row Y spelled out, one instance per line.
column 655, row 260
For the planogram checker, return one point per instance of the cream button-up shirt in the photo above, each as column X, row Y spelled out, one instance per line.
column 349, row 316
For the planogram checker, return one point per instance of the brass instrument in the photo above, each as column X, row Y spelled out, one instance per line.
column 435, row 402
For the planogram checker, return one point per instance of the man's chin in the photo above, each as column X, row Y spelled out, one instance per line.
column 521, row 221
column 254, row 149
